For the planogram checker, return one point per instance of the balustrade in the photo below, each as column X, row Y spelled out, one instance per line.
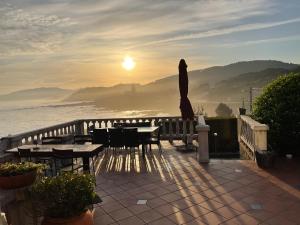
column 172, row 128
column 252, row 135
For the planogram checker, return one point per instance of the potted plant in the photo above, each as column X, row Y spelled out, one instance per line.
column 242, row 109
column 17, row 175
column 265, row 159
column 65, row 199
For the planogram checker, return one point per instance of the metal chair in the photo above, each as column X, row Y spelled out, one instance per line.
column 154, row 140
column 116, row 138
column 100, row 136
column 82, row 138
column 25, row 154
column 131, row 138
column 61, row 155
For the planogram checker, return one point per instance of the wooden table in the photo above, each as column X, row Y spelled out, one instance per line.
column 79, row 151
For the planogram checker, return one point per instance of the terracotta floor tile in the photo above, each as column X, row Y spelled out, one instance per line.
column 261, row 215
column 170, row 197
column 227, row 212
column 98, row 212
column 180, row 217
column 121, row 214
column 167, row 209
column 133, row 220
column 292, row 215
column 210, row 193
column 153, row 203
column 212, row 218
column 103, row 220
column 196, row 198
column 127, row 202
column 245, row 219
column 196, row 211
column 113, row 206
column 195, row 222
column 162, row 221
column 159, row 191
column 240, row 206
column 173, row 180
column 211, row 205
column 137, row 209
column 149, row 216
column 182, row 203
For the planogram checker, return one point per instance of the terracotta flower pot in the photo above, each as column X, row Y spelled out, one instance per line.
column 242, row 111
column 18, row 181
column 85, row 218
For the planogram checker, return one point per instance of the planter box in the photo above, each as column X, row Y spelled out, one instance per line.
column 265, row 159
column 18, row 181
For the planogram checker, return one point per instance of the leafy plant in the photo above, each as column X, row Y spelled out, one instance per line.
column 279, row 107
column 13, row 169
column 65, row 195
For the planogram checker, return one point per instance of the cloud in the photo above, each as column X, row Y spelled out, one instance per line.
column 221, row 31
column 260, row 41
column 23, row 32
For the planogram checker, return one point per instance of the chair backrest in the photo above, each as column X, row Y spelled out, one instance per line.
column 81, row 138
column 131, row 137
column 144, row 124
column 116, row 137
column 52, row 140
column 159, row 132
column 63, row 153
column 100, row 136
column 24, row 152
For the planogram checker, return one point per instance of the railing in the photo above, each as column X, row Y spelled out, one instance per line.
column 252, row 135
column 172, row 128
column 13, row 141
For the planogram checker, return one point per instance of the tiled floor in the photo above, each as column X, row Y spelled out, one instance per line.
column 179, row 190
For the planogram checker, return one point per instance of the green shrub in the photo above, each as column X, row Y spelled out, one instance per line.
column 65, row 195
column 279, row 107
column 13, row 169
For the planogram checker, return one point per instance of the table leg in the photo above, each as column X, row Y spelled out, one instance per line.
column 86, row 164
column 143, row 150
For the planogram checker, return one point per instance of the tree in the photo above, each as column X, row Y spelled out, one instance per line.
column 223, row 110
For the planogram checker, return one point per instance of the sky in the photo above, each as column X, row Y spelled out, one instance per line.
column 74, row 43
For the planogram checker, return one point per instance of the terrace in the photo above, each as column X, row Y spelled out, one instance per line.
column 183, row 187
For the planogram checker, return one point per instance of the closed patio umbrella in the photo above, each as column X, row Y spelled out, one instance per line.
column 186, row 109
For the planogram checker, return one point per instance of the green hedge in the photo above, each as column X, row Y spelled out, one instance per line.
column 279, row 107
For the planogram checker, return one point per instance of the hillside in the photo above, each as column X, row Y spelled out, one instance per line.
column 238, row 87
column 201, row 81
column 93, row 93
column 213, row 75
column 37, row 94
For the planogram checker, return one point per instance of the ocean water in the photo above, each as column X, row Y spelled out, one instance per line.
column 19, row 117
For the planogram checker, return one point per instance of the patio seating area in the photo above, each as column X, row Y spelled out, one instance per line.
column 179, row 190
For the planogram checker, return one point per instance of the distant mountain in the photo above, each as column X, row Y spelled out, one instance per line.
column 93, row 93
column 213, row 75
column 37, row 94
column 236, row 88
column 219, row 83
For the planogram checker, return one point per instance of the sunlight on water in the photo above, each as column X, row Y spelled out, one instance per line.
column 18, row 117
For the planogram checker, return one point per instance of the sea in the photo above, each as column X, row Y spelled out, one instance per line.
column 22, row 116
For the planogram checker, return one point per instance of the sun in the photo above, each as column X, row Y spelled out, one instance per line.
column 128, row 63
